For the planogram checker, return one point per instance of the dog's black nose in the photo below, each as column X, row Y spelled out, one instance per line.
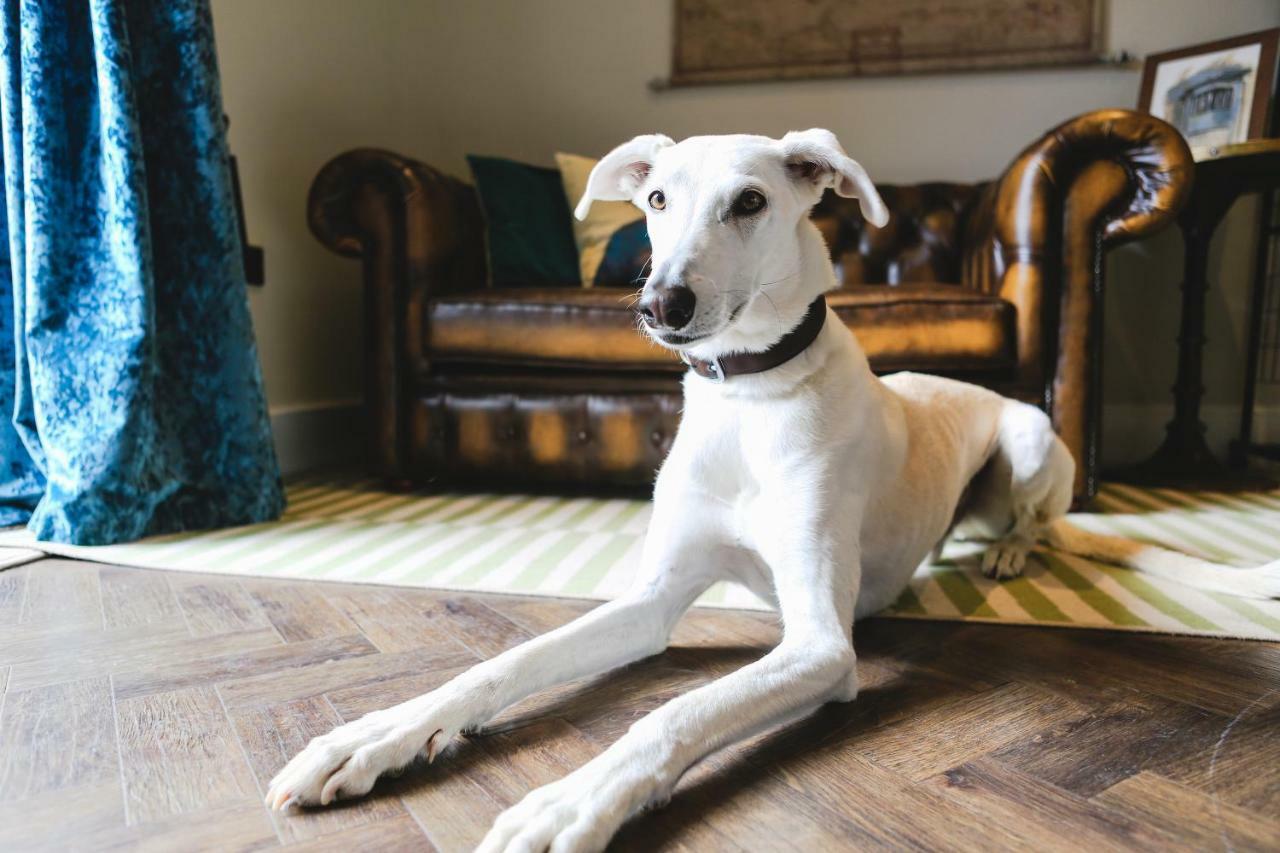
column 668, row 307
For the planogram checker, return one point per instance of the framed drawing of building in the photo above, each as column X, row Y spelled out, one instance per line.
column 721, row 41
column 1218, row 93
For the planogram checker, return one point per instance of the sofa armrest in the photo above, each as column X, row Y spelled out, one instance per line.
column 1038, row 238
column 419, row 234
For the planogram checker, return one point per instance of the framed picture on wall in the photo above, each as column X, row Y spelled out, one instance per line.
column 742, row 41
column 1218, row 93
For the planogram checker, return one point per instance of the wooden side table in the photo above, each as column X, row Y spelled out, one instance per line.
column 1184, row 459
column 1264, row 337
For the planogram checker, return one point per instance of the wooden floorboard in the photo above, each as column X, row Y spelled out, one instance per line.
column 143, row 709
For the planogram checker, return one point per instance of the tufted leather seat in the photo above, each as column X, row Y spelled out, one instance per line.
column 921, row 242
column 996, row 283
column 911, row 326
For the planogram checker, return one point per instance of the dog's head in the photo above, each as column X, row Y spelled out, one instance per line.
column 728, row 219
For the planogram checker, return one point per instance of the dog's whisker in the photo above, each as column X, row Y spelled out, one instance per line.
column 777, row 315
column 780, row 280
column 641, row 278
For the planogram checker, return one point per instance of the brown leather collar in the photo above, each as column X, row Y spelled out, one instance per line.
column 791, row 345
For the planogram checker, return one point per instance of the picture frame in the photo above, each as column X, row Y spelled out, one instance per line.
column 1216, row 94
column 750, row 41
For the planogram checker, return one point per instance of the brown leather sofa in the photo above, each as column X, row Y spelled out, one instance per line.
column 998, row 283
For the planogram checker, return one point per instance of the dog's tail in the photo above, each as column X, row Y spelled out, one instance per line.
column 1259, row 582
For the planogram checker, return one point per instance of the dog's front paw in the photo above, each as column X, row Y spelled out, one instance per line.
column 1005, row 559
column 579, row 813
column 348, row 760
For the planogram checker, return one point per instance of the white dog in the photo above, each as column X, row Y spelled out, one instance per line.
column 796, row 472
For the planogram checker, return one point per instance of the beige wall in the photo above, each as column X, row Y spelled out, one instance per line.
column 305, row 79
column 302, row 81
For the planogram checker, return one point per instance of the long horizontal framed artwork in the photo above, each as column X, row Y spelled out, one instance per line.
column 723, row 41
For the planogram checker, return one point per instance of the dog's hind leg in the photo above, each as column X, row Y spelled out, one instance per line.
column 1007, row 556
column 1026, row 486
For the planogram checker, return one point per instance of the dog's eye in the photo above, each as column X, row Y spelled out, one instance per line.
column 657, row 200
column 750, row 202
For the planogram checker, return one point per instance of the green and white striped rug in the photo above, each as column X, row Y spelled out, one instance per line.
column 588, row 547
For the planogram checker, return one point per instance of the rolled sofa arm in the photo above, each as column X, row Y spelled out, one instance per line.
column 418, row 233
column 1038, row 238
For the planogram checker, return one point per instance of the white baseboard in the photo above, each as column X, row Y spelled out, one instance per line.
column 1132, row 432
column 318, row 435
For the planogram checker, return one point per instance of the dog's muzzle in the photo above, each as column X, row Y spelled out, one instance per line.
column 667, row 307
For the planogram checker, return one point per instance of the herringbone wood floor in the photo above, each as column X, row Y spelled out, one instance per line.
column 149, row 709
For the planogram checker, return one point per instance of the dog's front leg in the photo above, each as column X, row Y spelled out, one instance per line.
column 346, row 762
column 813, row 664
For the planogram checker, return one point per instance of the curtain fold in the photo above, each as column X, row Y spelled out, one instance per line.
column 132, row 400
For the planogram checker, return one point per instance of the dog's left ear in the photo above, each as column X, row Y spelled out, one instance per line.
column 622, row 171
column 815, row 156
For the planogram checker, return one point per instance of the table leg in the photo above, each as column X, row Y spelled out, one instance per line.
column 1243, row 446
column 1184, row 459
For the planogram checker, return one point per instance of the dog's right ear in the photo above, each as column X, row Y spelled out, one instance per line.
column 622, row 171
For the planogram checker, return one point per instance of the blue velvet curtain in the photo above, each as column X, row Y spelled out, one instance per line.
column 131, row 401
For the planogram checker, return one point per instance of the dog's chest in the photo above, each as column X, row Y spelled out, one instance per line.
column 749, row 455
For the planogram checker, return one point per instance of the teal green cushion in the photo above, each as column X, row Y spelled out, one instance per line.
column 625, row 257
column 527, row 216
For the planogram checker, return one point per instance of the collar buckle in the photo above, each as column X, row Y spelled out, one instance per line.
column 706, row 368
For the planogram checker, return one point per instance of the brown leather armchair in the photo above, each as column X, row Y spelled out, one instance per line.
column 997, row 283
